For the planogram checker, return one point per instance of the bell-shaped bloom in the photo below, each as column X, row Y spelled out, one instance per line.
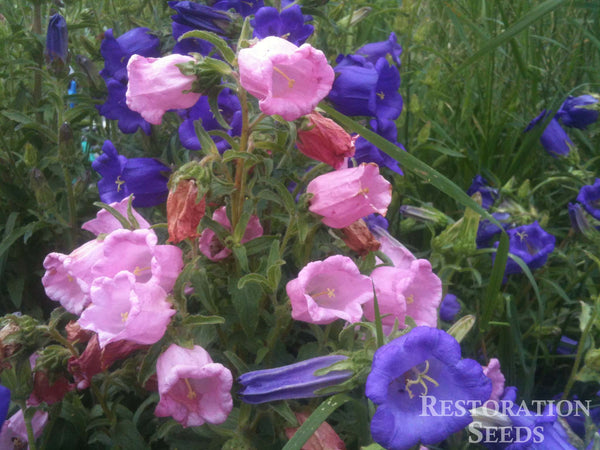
column 193, row 389
column 346, row 195
column 554, row 138
column 229, row 106
column 288, row 80
column 57, row 39
column 325, row 141
column 488, row 193
column 366, row 152
column 388, row 102
column 375, row 50
column 68, row 278
column 96, row 359
column 589, row 197
column 355, row 86
column 296, row 380
column 4, row 403
column 156, row 85
column 488, row 232
column 575, row 111
column 195, row 16
column 184, row 211
column 122, row 309
column 115, row 108
column 105, row 222
column 532, row 244
column 329, row 290
column 449, row 308
column 422, row 367
column 289, row 24
column 145, row 178
column 209, row 243
column 14, row 431
column 324, row 438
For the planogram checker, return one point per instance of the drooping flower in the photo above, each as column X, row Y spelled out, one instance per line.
column 574, row 112
column 14, row 431
column 589, row 197
column 530, row 243
column 145, row 178
column 193, row 389
column 329, row 290
column 123, row 309
column 346, row 195
column 288, row 80
column 296, row 380
column 422, row 367
column 57, row 39
column 449, row 308
column 324, row 438
column 289, row 24
column 4, row 403
column 488, row 193
column 366, row 152
column 105, row 222
column 184, row 211
column 554, row 139
column 156, row 85
column 229, row 106
column 325, row 141
column 209, row 243
column 375, row 50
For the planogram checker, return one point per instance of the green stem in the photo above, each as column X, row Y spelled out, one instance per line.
column 71, row 204
column 240, row 170
column 37, row 76
column 28, row 426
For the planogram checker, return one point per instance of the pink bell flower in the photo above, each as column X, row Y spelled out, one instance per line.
column 14, row 431
column 346, row 195
column 105, row 222
column 209, row 243
column 329, row 290
column 288, row 80
column 400, row 256
column 157, row 85
column 193, row 389
column 122, row 309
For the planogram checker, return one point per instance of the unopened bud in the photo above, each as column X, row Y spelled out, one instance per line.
column 31, row 155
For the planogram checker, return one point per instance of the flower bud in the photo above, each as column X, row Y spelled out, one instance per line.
column 57, row 41
column 184, row 211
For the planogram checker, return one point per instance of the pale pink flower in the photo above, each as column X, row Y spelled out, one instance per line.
column 14, row 432
column 105, row 222
column 68, row 277
column 324, row 438
column 329, row 290
column 390, row 284
column 193, row 389
column 157, row 85
column 346, row 195
column 493, row 372
column 288, row 80
column 400, row 256
column 136, row 251
column 122, row 309
column 209, row 243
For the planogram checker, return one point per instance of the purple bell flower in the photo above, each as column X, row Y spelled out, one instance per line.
column 145, row 178
column 230, row 108
column 243, row 7
column 388, row 103
column 589, row 197
column 365, row 151
column 195, row 16
column 488, row 193
column 354, row 89
column 449, row 308
column 57, row 39
column 290, row 24
column 488, row 231
column 554, row 139
column 573, row 112
column 4, row 403
column 530, row 243
column 115, row 108
column 375, row 50
column 409, row 379
column 293, row 381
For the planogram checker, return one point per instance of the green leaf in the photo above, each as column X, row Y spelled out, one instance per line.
column 493, row 296
column 284, row 410
column 245, row 300
column 219, row 43
column 116, row 214
column 198, row 320
column 462, row 327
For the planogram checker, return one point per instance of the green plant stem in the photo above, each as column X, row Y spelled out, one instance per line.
column 28, row 426
column 37, row 75
column 71, row 204
column 240, row 170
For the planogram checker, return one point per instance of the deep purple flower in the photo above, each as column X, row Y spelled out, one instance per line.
column 242, row 7
column 57, row 39
column 354, row 89
column 375, row 220
column 293, row 381
column 488, row 193
column 143, row 177
column 115, row 108
column 449, row 308
column 573, row 112
column 589, row 197
column 410, row 377
column 367, row 152
column 388, row 104
column 229, row 105
column 530, row 243
column 195, row 16
column 554, row 138
column 488, row 231
column 4, row 403
column 375, row 50
column 289, row 24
